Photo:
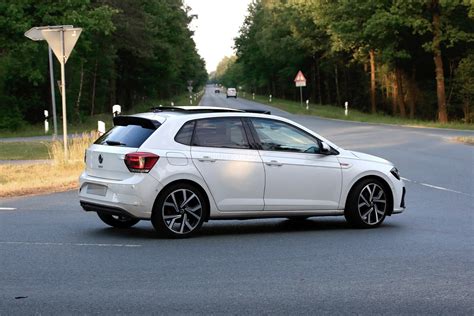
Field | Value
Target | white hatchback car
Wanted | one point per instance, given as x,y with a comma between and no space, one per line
231,93
182,166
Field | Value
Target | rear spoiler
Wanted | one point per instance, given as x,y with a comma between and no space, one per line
124,120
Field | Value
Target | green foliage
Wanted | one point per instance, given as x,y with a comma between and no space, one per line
129,51
330,42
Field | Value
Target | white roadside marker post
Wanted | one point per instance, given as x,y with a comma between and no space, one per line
101,127
346,111
307,104
270,98
116,110
253,96
46,123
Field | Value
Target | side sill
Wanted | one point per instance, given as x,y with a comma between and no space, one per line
274,214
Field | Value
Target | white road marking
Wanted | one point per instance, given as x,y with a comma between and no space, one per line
7,208
28,243
436,187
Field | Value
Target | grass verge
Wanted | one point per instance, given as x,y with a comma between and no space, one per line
58,175
335,112
465,139
24,150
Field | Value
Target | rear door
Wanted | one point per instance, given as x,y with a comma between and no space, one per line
105,158
232,170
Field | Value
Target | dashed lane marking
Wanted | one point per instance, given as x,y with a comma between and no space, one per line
436,187
29,243
7,209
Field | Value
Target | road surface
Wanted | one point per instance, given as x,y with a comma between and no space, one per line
56,259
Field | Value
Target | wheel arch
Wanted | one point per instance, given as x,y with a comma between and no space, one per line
383,181
194,184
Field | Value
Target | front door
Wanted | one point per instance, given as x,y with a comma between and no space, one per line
297,177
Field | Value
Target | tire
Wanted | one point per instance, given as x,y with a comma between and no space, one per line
179,211
367,204
118,221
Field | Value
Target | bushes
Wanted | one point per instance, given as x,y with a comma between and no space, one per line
10,115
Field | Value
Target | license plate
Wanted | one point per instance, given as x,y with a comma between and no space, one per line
97,189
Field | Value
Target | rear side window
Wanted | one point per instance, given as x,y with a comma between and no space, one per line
225,132
125,136
185,134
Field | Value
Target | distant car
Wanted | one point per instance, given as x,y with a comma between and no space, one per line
217,90
180,167
231,93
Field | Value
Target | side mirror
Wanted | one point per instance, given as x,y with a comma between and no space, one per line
325,149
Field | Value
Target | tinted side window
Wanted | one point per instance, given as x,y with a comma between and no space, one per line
225,132
126,136
185,134
280,136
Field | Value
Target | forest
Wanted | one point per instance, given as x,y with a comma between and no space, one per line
409,58
129,51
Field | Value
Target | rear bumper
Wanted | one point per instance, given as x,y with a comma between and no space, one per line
133,196
91,207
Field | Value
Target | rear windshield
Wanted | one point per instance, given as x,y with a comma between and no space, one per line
125,136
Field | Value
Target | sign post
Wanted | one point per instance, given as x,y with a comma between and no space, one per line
300,81
35,34
61,39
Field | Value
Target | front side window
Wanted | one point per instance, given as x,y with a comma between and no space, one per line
225,132
280,136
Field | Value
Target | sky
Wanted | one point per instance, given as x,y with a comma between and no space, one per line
217,24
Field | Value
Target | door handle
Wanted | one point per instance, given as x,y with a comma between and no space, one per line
206,159
274,163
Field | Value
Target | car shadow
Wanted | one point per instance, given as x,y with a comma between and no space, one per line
243,227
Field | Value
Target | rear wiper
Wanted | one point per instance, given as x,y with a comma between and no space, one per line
114,143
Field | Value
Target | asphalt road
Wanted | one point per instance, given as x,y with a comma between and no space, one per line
56,259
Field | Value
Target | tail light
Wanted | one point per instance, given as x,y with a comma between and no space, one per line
140,162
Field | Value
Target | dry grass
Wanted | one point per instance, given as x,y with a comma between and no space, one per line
465,139
58,175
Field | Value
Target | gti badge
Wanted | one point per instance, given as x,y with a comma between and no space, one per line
101,159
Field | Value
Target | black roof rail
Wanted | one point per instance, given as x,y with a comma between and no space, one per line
256,111
203,110
196,110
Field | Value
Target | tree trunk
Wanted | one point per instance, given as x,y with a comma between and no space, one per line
440,87
314,91
328,91
467,111
394,94
79,94
336,79
400,100
373,105
94,80
411,93
320,95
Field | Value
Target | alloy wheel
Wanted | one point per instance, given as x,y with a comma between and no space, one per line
372,204
182,211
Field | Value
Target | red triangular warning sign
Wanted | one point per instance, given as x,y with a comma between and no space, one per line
300,77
